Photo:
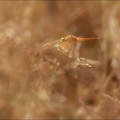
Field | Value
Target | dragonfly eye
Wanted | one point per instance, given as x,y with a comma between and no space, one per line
63,39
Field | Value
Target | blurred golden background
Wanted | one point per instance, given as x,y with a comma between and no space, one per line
35,82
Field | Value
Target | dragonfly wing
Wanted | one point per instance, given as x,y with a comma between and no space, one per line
52,43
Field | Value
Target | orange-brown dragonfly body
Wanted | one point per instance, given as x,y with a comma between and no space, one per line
68,43
77,39
71,41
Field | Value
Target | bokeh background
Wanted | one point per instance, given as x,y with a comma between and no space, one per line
35,82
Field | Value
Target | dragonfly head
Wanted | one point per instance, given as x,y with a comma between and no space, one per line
68,38
62,39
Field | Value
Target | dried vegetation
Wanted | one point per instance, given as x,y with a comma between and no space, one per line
38,81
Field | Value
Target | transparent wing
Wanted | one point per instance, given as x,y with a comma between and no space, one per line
66,46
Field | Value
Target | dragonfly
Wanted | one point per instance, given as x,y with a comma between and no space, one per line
68,43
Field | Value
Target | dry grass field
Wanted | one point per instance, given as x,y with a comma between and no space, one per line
41,81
